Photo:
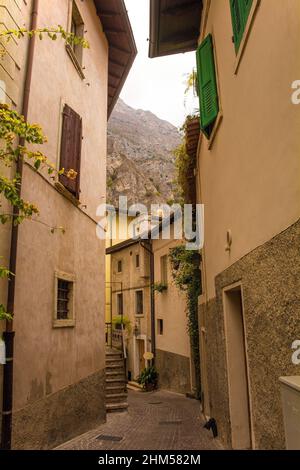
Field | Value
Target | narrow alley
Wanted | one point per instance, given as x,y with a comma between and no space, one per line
157,420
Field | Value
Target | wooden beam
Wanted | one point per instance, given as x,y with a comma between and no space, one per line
120,49
108,14
114,75
114,31
116,62
180,10
182,38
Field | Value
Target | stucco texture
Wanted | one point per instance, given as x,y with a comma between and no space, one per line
61,416
270,280
174,371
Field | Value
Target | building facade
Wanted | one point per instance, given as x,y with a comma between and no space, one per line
59,301
173,351
247,176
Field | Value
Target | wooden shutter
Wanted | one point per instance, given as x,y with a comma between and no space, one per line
208,92
70,154
240,10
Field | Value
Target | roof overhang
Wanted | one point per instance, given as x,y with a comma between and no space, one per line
122,48
174,26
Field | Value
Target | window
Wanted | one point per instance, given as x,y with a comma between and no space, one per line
77,28
120,304
139,303
160,327
64,300
119,266
207,86
70,152
240,10
164,269
137,261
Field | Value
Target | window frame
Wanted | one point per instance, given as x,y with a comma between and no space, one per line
137,292
75,52
120,311
119,263
137,261
70,322
164,269
160,326
245,36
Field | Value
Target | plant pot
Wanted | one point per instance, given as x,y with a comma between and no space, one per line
149,387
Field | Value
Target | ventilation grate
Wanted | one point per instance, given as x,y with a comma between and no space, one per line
103,437
178,421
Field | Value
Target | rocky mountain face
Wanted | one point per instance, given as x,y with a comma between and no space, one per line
140,162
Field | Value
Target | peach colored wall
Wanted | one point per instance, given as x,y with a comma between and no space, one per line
47,359
249,180
170,306
13,14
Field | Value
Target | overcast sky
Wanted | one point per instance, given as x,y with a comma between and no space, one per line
156,85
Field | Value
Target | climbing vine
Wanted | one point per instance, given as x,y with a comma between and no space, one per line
187,277
14,131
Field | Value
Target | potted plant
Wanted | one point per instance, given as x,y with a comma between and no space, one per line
148,378
160,287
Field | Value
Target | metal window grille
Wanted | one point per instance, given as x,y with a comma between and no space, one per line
63,299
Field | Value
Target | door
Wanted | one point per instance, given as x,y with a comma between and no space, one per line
239,402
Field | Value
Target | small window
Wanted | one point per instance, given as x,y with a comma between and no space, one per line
240,10
207,86
77,28
64,301
137,261
139,303
70,151
120,304
160,327
120,266
164,269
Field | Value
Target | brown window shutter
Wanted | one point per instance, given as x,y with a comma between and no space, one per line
70,154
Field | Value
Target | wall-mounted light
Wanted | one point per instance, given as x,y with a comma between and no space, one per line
229,241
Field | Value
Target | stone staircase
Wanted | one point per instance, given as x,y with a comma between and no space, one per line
116,387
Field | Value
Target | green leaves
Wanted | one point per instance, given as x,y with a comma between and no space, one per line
52,33
4,315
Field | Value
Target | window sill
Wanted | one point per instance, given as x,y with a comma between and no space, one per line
245,35
63,323
62,190
75,61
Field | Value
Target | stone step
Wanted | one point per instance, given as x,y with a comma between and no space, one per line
112,389
115,373
116,398
113,367
116,407
114,362
116,382
134,386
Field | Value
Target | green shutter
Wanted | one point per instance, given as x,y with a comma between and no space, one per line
240,10
206,75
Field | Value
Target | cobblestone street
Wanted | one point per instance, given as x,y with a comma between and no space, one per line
155,421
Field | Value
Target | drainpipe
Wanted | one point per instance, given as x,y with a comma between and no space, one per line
9,333
149,249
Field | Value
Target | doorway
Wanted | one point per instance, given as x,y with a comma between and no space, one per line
237,368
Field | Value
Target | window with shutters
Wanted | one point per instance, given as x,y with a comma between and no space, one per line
64,314
207,86
240,10
164,269
139,302
70,152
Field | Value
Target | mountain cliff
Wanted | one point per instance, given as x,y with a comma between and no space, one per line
140,162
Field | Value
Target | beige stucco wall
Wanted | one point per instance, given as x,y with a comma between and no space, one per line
170,306
46,359
249,180
130,280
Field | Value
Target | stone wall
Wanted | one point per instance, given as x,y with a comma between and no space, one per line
174,371
61,416
270,279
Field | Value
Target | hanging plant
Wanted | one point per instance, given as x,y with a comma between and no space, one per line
160,287
187,277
